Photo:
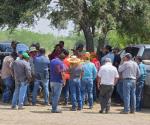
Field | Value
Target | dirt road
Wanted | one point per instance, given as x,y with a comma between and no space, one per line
40,115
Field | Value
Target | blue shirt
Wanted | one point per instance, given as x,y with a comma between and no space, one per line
41,66
89,70
56,68
142,69
109,55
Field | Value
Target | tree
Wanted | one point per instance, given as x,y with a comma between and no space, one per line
129,18
84,13
93,17
134,20
15,12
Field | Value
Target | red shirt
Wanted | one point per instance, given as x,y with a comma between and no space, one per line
96,63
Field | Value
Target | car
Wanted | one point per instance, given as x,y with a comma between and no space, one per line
5,49
142,50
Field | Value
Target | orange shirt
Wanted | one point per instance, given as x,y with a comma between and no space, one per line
67,65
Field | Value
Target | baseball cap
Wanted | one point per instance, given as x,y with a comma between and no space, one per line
25,55
128,55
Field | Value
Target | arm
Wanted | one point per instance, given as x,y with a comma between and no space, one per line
122,67
58,69
99,78
116,76
138,72
98,82
28,72
63,78
116,81
12,69
94,72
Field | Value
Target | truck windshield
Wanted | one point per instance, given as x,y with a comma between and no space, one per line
132,50
146,54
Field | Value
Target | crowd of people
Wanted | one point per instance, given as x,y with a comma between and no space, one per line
80,77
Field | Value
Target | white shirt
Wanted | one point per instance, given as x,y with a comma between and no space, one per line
108,73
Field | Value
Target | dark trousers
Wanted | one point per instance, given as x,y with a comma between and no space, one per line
105,96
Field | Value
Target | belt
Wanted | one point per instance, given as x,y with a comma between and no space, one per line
129,79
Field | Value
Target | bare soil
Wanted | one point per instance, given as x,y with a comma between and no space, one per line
41,115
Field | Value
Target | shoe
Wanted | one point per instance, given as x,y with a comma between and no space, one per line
91,107
79,109
132,112
123,112
66,103
46,104
33,104
73,109
20,108
57,111
101,111
107,111
14,107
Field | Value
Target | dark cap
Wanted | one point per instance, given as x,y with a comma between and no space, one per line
108,47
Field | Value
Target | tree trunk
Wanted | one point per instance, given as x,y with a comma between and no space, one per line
88,37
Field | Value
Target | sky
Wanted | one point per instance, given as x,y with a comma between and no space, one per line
43,26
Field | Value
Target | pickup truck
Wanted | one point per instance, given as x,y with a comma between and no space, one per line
5,46
142,50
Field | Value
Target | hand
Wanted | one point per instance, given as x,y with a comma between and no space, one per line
98,86
64,83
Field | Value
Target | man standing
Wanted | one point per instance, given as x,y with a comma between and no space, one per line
130,72
89,74
109,54
140,83
57,80
6,75
22,73
32,53
65,90
107,78
41,70
75,83
13,47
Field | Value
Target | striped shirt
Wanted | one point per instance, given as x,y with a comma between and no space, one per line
129,69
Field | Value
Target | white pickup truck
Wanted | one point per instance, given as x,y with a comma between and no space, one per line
142,50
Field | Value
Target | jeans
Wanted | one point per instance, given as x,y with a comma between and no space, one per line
129,97
105,96
75,88
94,90
8,88
139,93
120,88
19,94
29,91
56,89
37,84
65,91
87,85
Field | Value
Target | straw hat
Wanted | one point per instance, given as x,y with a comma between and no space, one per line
32,49
74,59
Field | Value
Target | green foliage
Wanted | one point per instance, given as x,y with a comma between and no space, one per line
15,12
96,18
47,41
